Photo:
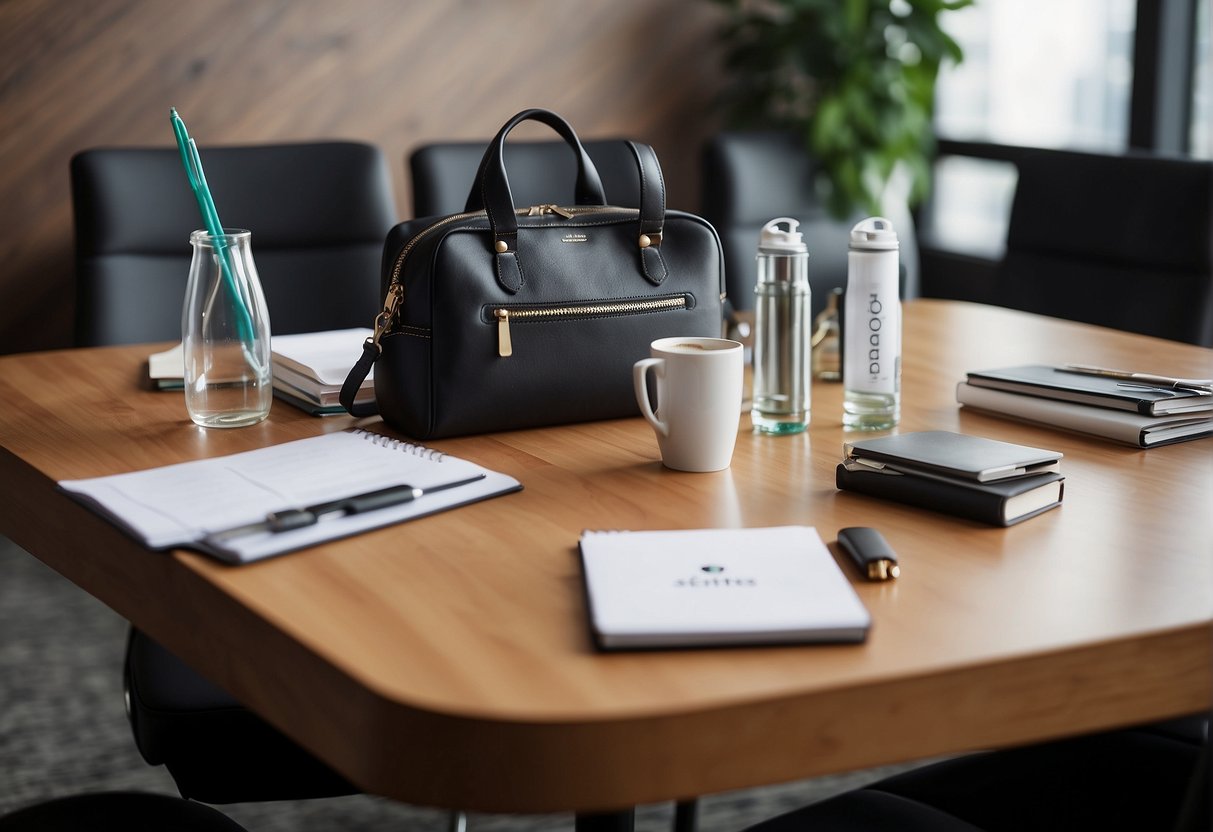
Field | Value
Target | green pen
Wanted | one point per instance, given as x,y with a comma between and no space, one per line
210,218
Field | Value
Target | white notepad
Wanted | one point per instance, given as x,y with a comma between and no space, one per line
323,357
179,505
717,587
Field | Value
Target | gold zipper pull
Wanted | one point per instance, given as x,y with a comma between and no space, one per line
505,348
391,304
549,208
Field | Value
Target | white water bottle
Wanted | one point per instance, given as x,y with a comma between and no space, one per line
782,331
871,373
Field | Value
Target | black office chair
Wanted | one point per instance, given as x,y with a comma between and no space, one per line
752,177
319,214
540,173
1154,778
1124,241
118,812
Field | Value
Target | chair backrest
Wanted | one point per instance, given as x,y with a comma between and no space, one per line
752,177
1123,241
319,214
543,172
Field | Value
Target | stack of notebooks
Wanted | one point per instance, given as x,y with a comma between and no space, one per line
166,370
1115,406
987,480
309,369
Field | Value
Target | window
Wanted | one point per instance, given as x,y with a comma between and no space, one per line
1057,74
1040,73
970,206
1202,85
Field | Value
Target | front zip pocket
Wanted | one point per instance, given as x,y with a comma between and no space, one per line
503,315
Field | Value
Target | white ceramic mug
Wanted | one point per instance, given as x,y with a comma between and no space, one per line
699,386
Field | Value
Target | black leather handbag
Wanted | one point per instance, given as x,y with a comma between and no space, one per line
501,318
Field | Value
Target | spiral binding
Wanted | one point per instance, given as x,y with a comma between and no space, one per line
399,444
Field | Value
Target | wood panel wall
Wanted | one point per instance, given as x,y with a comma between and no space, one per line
397,73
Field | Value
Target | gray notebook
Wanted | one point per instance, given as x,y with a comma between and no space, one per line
954,455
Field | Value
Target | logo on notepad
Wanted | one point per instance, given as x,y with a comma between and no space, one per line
696,581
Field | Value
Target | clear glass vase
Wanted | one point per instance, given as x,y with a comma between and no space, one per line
225,330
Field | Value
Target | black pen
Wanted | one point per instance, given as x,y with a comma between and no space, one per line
298,518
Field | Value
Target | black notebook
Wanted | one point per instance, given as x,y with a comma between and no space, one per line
999,503
1100,391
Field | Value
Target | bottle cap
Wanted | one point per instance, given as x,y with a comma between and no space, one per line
874,233
778,241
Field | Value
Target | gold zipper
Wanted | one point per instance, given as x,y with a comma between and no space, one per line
503,315
540,210
395,295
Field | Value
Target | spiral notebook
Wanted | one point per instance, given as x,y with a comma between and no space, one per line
715,587
184,505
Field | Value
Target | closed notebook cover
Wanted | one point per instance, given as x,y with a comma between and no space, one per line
1100,391
1001,503
1119,425
953,454
708,587
293,398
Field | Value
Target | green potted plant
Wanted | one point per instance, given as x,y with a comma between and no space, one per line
855,78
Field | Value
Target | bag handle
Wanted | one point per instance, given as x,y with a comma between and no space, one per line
491,188
652,213
498,201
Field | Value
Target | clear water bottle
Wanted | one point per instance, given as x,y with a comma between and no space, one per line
782,331
871,373
225,332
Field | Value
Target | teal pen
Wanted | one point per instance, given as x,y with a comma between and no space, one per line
210,218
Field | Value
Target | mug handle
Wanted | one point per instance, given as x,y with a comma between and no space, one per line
639,371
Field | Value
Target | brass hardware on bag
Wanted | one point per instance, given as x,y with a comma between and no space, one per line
501,246
383,320
540,210
404,252
505,346
391,304
653,239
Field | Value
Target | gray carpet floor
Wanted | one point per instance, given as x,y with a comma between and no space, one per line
63,729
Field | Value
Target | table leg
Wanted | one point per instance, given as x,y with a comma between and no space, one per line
686,816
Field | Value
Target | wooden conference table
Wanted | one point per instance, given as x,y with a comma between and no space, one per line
447,662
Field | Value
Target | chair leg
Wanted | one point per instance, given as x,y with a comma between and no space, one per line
621,821
457,822
686,816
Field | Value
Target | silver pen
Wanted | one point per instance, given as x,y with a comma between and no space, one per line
297,518
1197,385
